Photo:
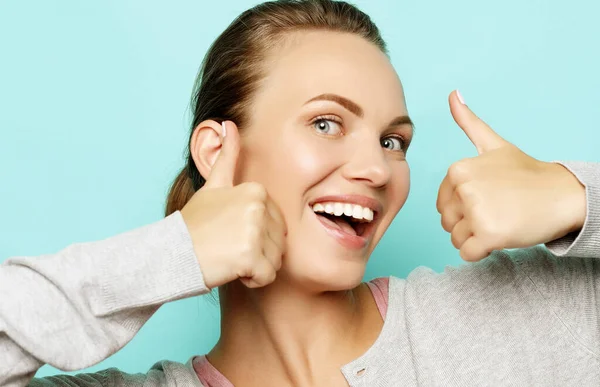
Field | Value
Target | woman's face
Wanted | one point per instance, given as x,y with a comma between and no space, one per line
328,133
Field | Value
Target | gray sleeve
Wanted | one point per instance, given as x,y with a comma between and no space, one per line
585,243
567,274
569,287
521,313
79,306
161,374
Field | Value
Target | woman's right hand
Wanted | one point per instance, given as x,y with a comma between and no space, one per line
237,231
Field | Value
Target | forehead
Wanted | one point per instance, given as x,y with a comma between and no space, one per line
316,62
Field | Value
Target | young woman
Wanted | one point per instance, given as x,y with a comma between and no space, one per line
296,168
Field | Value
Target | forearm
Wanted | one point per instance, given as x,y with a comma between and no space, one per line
77,307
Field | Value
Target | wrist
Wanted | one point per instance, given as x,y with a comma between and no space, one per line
572,199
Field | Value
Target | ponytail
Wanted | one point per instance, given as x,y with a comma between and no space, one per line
180,193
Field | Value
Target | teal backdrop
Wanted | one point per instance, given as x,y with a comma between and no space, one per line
94,119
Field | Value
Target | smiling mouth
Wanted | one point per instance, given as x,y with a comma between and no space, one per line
345,224
351,219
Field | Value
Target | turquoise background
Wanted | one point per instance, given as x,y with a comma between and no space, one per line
94,119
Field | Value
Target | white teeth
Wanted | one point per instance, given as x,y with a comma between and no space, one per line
357,212
368,214
348,209
338,209
328,208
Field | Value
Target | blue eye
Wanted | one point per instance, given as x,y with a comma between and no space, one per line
328,127
392,143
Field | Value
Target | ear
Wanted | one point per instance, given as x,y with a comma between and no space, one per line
205,145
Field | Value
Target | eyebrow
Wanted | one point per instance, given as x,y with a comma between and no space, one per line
354,108
402,120
345,102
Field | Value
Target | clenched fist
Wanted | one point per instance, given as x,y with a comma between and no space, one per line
504,198
237,231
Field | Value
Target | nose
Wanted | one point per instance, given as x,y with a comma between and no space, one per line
368,164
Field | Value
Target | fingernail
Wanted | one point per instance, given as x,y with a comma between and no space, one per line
224,129
460,97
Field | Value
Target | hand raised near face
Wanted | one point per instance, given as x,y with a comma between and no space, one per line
237,230
504,198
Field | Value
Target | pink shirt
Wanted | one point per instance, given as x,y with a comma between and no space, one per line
211,377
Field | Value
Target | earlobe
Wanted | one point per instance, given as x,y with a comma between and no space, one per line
205,145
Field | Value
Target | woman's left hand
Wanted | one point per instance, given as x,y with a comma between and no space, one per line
503,198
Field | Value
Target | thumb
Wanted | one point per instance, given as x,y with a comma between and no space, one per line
223,170
481,135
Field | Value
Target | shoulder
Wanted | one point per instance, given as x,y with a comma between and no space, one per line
502,275
161,374
505,277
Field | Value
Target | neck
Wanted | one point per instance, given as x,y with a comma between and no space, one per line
293,336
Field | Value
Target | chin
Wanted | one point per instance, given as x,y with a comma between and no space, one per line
318,276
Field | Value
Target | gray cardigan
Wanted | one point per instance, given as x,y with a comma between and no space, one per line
524,317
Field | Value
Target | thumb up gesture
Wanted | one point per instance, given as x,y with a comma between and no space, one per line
238,231
504,198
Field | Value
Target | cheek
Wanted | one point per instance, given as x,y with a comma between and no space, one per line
309,160
287,165
401,185
397,191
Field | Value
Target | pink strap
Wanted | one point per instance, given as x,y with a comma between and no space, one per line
379,287
208,374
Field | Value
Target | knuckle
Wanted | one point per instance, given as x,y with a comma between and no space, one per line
245,188
257,234
247,248
270,276
257,190
440,204
449,218
282,243
282,248
467,256
277,262
251,284
257,209
491,233
459,171
446,225
465,191
478,218
258,265
251,241
470,251
488,230
454,240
